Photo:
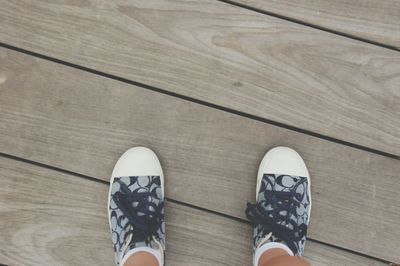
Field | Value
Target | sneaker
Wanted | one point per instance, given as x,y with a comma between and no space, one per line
136,205
282,210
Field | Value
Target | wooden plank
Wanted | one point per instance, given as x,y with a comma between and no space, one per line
82,122
376,21
227,56
58,219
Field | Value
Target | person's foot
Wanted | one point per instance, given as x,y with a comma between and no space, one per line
136,205
283,203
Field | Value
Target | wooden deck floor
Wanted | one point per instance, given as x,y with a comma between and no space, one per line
210,86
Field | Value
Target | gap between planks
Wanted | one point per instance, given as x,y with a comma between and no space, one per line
61,219
257,6
81,122
200,102
184,204
227,56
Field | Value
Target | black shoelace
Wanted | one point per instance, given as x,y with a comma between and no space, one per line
145,217
277,218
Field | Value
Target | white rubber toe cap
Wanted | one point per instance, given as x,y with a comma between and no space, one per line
282,161
138,161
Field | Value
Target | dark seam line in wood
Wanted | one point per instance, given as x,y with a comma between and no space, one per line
241,220
200,102
249,223
54,168
307,24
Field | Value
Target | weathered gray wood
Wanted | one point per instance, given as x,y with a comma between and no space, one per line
226,55
82,122
50,218
377,21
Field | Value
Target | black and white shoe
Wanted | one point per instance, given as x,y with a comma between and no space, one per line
136,205
282,210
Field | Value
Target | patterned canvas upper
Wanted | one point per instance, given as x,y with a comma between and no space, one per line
282,208
136,209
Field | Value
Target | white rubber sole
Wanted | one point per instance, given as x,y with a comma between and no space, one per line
283,161
137,161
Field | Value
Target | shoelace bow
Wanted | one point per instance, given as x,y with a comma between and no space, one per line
273,222
144,219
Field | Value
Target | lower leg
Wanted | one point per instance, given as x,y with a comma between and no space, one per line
141,259
279,257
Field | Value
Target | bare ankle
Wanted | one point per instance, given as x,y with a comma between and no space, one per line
141,258
271,254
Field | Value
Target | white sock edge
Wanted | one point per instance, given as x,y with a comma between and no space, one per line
155,252
259,251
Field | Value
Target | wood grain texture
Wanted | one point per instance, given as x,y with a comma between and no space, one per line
50,218
82,122
227,56
377,21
